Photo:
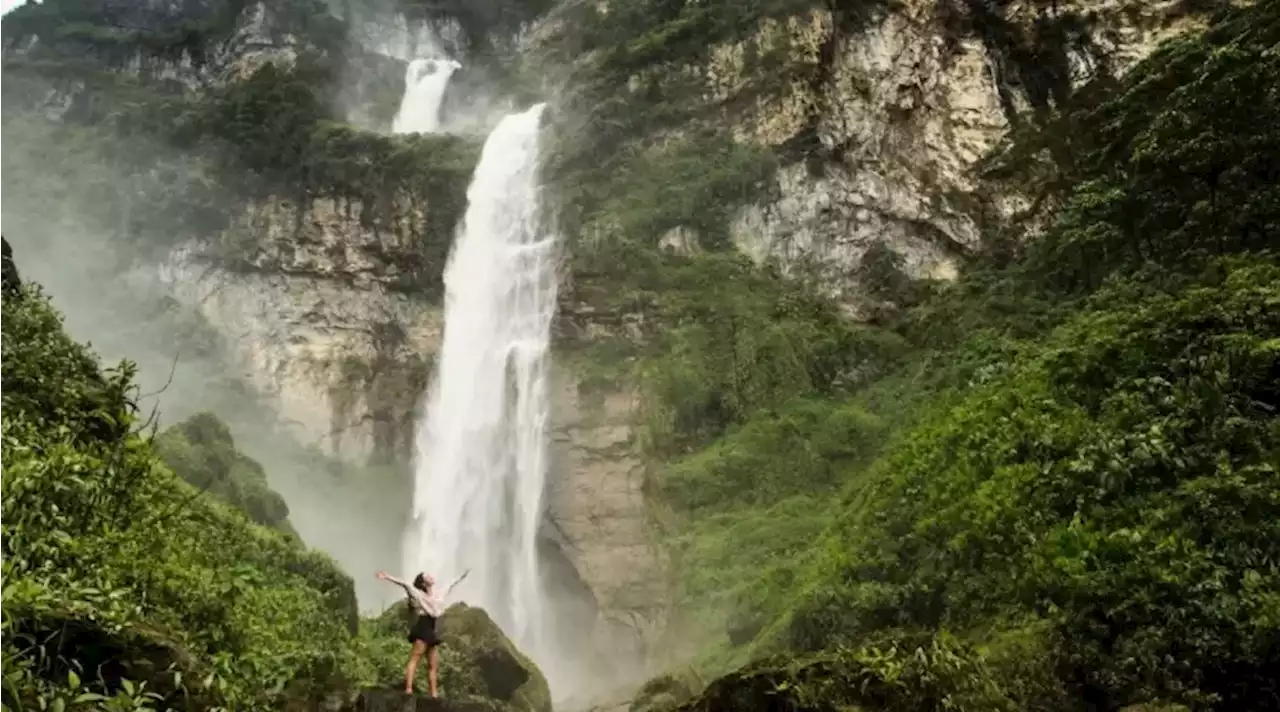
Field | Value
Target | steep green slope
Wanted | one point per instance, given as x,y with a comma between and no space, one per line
125,587
172,589
1058,474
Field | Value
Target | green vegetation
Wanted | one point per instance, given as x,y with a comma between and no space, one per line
693,183
117,33
1050,485
114,34
125,587
116,570
202,452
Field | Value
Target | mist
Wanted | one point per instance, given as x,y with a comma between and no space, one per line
67,212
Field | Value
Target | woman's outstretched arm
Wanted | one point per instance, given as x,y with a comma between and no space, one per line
384,576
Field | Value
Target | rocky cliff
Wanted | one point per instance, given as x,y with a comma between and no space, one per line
312,306
879,115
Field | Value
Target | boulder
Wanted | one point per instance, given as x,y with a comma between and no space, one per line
480,660
479,665
664,692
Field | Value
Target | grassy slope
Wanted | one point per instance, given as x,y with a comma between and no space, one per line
1058,474
98,534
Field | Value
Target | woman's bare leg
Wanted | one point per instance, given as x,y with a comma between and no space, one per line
412,667
433,667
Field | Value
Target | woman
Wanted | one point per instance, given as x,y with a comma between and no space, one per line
423,634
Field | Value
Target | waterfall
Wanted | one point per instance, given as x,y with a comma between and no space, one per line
481,450
424,83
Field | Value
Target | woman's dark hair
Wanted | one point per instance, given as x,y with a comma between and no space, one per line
420,582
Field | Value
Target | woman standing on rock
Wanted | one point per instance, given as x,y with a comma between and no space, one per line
423,634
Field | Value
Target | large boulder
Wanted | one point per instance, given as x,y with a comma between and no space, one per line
480,668
480,660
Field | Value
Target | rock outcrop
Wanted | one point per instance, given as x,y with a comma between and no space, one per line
488,664
880,115
894,118
480,668
311,304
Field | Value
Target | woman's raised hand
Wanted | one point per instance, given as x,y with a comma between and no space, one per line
382,575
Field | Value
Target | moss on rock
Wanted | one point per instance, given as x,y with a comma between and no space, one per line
940,673
664,692
486,663
478,663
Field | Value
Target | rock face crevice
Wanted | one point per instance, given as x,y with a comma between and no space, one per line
596,508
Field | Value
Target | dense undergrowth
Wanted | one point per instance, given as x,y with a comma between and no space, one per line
130,587
202,452
1050,485
111,560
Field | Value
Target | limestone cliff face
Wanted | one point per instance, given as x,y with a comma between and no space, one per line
309,302
896,116
882,112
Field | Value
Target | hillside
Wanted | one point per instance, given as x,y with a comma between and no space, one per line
125,587
1054,477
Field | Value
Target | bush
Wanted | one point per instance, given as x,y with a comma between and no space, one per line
201,451
1100,484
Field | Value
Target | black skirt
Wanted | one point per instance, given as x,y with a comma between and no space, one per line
424,629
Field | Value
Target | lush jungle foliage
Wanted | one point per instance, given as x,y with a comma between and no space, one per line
1051,485
126,588
202,452
116,570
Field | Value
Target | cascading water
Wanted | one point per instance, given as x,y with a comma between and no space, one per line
481,451
425,81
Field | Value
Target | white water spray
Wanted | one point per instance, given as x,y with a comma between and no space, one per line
481,452
425,82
